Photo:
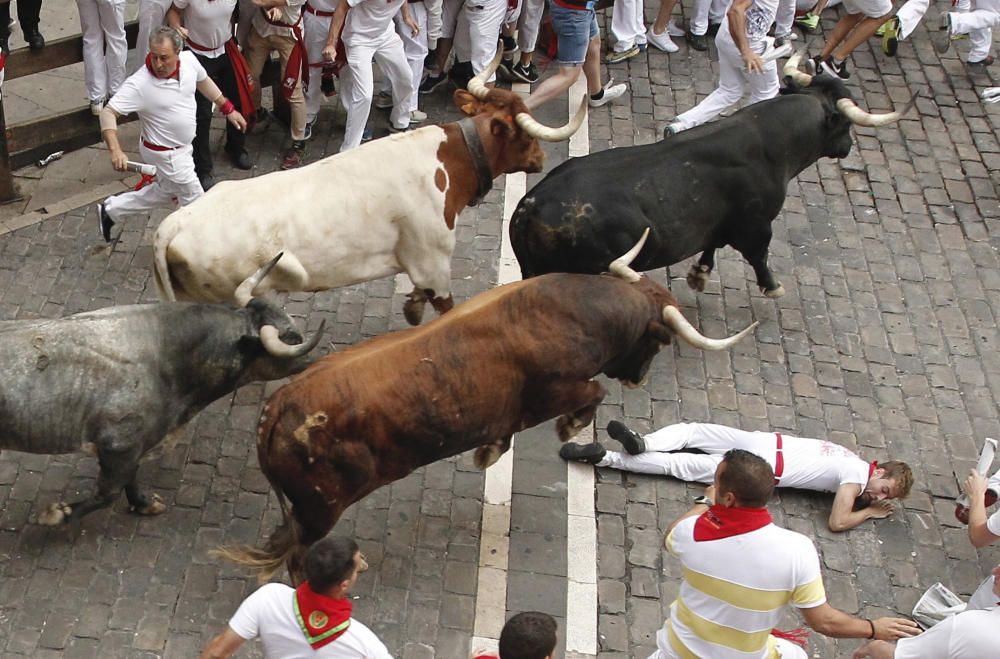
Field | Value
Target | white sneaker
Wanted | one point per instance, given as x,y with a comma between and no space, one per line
417,116
673,29
383,101
661,41
96,107
611,92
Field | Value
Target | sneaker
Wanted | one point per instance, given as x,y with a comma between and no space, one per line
96,107
383,101
674,30
396,129
307,132
327,87
942,38
661,41
586,453
609,92
983,62
808,23
713,28
672,129
105,222
432,82
417,116
367,134
890,36
829,67
697,41
528,74
240,159
509,46
773,50
293,157
621,56
631,440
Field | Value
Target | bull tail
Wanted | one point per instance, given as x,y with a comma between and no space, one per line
284,545
164,234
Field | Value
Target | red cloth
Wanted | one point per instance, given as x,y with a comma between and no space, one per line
720,522
176,75
797,636
245,82
871,468
298,60
322,619
779,460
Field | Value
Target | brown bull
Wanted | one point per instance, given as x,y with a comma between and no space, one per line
506,360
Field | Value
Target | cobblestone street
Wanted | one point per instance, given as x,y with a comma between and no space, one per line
886,341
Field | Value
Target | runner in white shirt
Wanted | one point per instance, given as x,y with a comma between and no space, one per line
162,93
369,34
316,26
983,531
207,26
102,23
809,464
312,621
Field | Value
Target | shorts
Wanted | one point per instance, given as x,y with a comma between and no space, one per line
870,8
574,29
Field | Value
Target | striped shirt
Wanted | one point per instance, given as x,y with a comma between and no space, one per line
735,591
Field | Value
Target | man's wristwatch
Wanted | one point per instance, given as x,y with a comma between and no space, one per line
704,500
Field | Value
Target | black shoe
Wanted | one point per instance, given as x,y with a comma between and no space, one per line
432,82
5,44
713,29
830,67
207,181
697,41
587,453
105,222
528,74
461,73
505,70
631,440
240,159
35,39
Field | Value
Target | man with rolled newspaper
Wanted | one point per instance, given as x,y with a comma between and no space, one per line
981,493
162,93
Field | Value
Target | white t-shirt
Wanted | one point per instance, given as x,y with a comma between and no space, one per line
369,19
166,106
967,635
741,584
270,614
984,597
993,523
820,465
209,24
324,5
289,15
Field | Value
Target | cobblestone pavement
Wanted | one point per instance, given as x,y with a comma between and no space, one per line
884,342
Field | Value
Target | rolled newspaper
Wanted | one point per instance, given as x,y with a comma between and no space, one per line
982,466
141,168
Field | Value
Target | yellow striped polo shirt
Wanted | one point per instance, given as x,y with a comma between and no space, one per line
735,590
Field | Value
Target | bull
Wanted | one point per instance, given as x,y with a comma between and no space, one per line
386,207
506,360
114,382
719,184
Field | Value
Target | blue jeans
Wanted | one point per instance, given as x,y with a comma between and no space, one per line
574,29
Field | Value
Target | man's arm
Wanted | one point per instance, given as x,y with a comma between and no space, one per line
975,488
844,517
209,89
336,25
222,646
738,30
109,133
696,509
834,623
175,19
270,4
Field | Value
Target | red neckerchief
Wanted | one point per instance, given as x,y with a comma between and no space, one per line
720,522
176,74
871,468
322,619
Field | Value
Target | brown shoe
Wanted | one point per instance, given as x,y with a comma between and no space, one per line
293,157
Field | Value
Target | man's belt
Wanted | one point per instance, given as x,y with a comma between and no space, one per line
316,12
156,147
203,49
779,460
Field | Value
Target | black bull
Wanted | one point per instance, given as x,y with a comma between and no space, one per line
719,184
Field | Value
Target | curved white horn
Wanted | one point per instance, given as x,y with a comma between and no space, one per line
792,70
540,131
477,86
676,321
620,266
858,116
278,348
244,292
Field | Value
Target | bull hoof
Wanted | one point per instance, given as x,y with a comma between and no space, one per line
55,514
568,427
775,292
697,277
154,506
413,311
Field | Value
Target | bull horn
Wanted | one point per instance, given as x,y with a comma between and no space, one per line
858,116
477,86
278,348
792,70
620,266
540,131
676,321
244,292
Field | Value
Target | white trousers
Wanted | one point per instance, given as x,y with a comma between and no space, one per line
314,31
357,90
528,17
627,24
480,22
415,47
102,23
787,9
734,81
433,8
176,184
978,24
705,11
151,14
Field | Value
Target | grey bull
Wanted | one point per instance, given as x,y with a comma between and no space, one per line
116,381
